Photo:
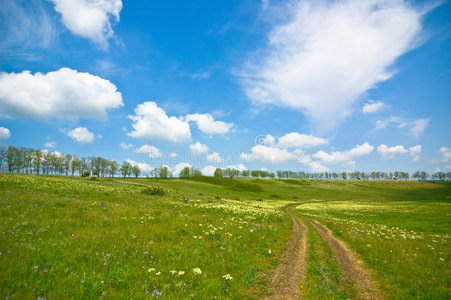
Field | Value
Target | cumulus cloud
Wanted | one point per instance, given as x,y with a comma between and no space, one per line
207,124
344,158
390,152
215,158
208,170
239,167
125,146
446,154
297,140
151,122
198,149
330,53
4,133
50,145
91,19
152,151
373,107
65,94
266,154
415,152
180,167
81,135
173,155
143,167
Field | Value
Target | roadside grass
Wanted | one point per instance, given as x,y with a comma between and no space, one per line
405,244
322,280
77,238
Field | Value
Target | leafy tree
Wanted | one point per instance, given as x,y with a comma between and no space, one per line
195,172
126,169
136,171
219,173
185,172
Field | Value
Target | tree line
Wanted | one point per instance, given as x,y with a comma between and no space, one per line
35,161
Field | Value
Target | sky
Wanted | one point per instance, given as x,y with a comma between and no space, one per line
316,86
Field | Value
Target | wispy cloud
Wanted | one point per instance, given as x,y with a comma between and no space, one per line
329,54
26,28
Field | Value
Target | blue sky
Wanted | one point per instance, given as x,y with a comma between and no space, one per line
293,85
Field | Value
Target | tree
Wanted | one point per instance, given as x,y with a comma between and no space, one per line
195,172
11,158
2,157
113,167
231,172
219,173
185,172
37,160
126,168
136,171
163,172
245,173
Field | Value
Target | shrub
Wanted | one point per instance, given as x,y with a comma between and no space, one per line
155,190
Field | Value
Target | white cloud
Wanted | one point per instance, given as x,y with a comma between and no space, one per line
81,135
419,126
180,167
57,154
239,167
143,167
50,145
344,158
173,155
207,124
446,154
152,151
328,54
314,166
64,93
151,122
415,152
26,28
4,133
198,149
125,146
266,154
297,140
267,140
215,158
390,152
90,19
416,127
373,107
208,170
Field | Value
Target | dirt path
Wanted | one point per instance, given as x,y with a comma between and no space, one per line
351,269
286,280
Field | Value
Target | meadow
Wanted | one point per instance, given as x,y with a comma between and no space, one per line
215,238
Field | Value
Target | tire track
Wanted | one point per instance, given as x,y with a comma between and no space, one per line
350,267
285,283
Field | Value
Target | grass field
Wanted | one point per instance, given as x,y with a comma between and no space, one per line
204,238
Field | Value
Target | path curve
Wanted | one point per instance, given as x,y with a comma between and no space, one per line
285,283
350,267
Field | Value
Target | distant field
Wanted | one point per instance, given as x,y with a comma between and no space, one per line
207,238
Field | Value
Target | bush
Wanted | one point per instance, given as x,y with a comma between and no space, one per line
155,190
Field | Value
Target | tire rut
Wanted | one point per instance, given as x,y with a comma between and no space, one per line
285,283
350,267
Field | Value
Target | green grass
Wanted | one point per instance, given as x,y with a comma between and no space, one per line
64,237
